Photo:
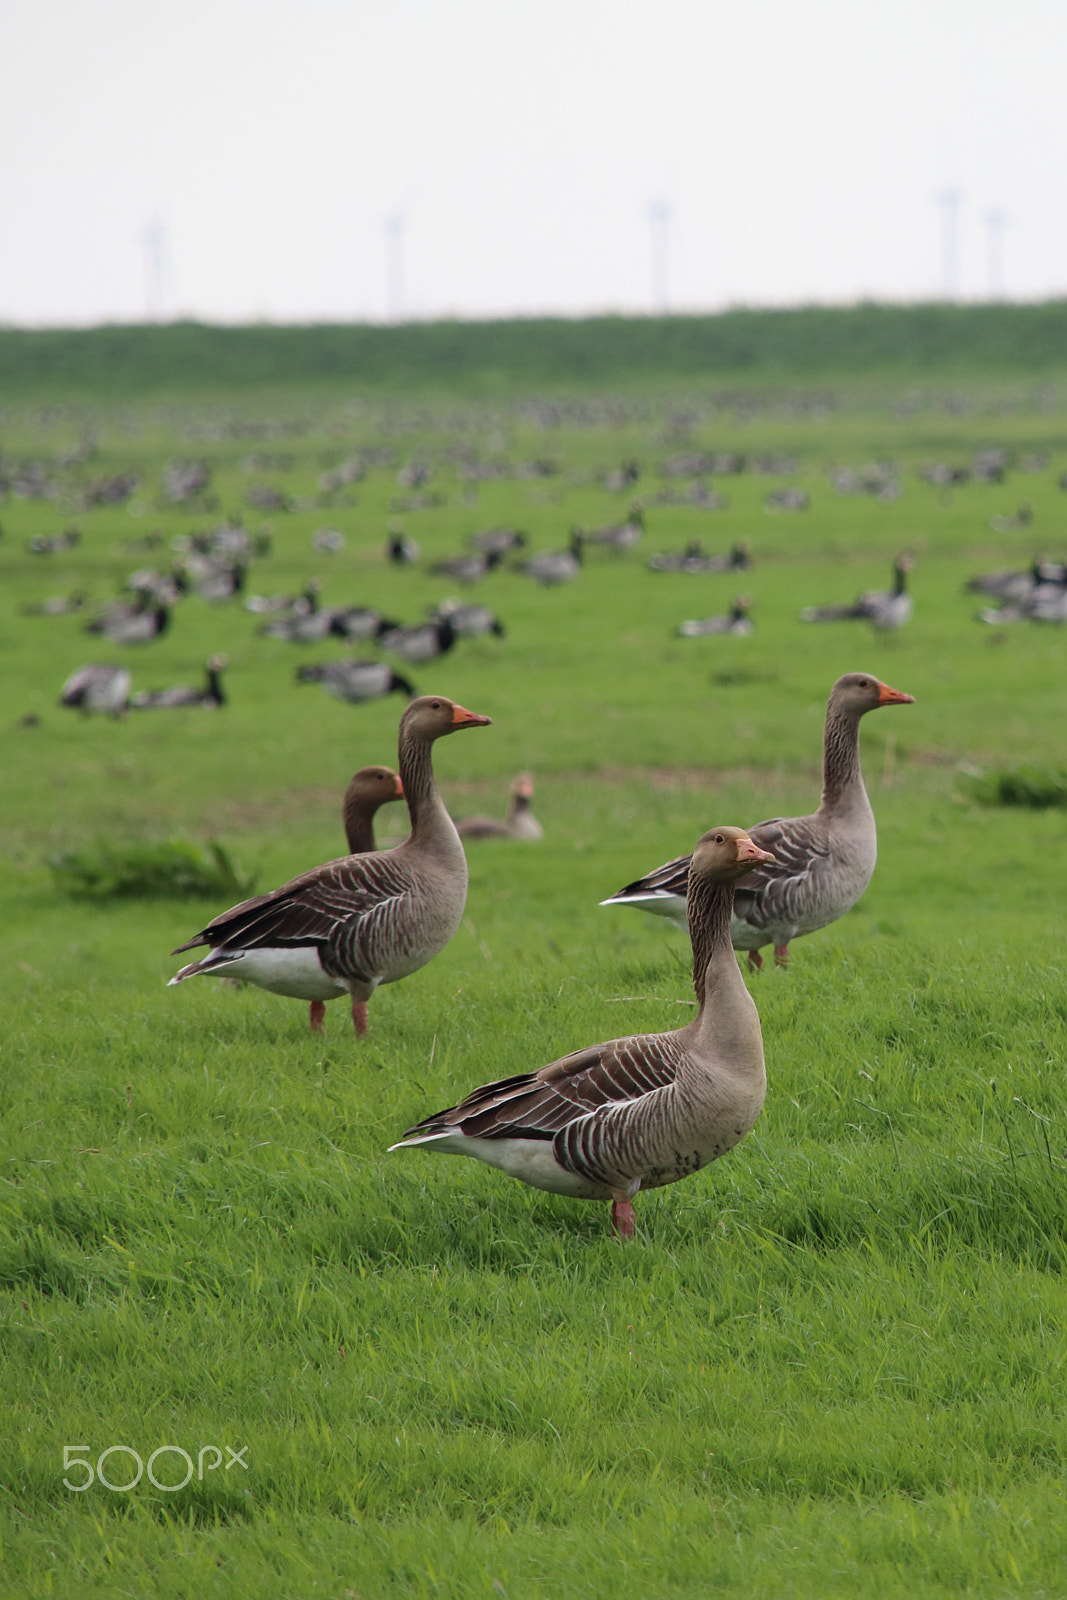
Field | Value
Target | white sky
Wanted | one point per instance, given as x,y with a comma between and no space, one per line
800,145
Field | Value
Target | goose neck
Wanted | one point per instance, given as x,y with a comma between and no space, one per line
709,907
841,774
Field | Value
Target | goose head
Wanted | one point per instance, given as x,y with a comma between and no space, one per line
372,787
724,854
522,786
431,716
858,692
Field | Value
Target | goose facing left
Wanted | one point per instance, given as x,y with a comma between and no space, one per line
638,1112
363,920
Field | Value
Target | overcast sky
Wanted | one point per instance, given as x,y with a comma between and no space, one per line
797,147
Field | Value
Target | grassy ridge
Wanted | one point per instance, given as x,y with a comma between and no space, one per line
908,340
832,1363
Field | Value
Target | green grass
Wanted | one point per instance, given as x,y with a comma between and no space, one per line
831,1364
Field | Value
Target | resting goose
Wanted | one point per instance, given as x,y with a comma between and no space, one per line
639,1112
132,622
347,926
885,610
823,862
97,688
181,695
520,822
736,621
422,641
557,566
356,681
470,622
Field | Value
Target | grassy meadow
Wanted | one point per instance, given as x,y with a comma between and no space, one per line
830,1365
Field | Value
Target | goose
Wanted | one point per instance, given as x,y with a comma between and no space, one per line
356,681
693,560
97,687
359,622
498,541
823,862
422,641
468,568
639,1112
57,605
736,621
557,566
620,536
470,622
181,695
520,822
368,790
136,622
328,541
307,623
885,610
1008,586
401,550
363,920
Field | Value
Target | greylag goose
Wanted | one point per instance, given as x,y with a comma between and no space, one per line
97,688
181,695
370,789
347,926
885,610
823,862
639,1112
356,681
520,822
736,621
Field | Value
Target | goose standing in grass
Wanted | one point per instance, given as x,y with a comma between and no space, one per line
639,1112
356,681
822,862
519,823
352,924
97,687
886,610
736,621
182,695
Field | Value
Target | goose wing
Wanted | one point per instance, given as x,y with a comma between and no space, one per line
542,1104
316,908
768,895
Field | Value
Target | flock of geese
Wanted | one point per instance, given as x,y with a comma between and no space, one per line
606,1121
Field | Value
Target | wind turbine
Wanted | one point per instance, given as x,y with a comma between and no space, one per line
154,244
659,216
949,200
394,226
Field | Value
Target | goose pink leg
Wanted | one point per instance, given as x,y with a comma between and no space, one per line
781,955
359,1017
318,1015
755,960
622,1218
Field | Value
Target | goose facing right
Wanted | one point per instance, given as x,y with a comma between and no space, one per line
823,862
639,1112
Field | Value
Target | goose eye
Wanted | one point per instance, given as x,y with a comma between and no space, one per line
436,706
720,838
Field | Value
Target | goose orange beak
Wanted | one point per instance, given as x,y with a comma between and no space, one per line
894,697
398,792
461,718
747,851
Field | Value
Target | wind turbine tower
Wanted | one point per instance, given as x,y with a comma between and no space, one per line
659,216
949,201
154,243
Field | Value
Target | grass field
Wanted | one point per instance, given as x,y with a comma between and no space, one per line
830,1365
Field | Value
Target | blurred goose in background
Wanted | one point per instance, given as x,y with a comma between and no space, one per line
885,610
822,862
402,550
557,566
97,687
369,790
693,560
736,621
1023,517
519,823
181,695
468,568
356,681
470,622
57,605
1010,586
352,924
328,541
619,536
131,622
421,641
639,1112
359,622
498,541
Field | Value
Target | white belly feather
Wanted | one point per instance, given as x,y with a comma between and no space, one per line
297,972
